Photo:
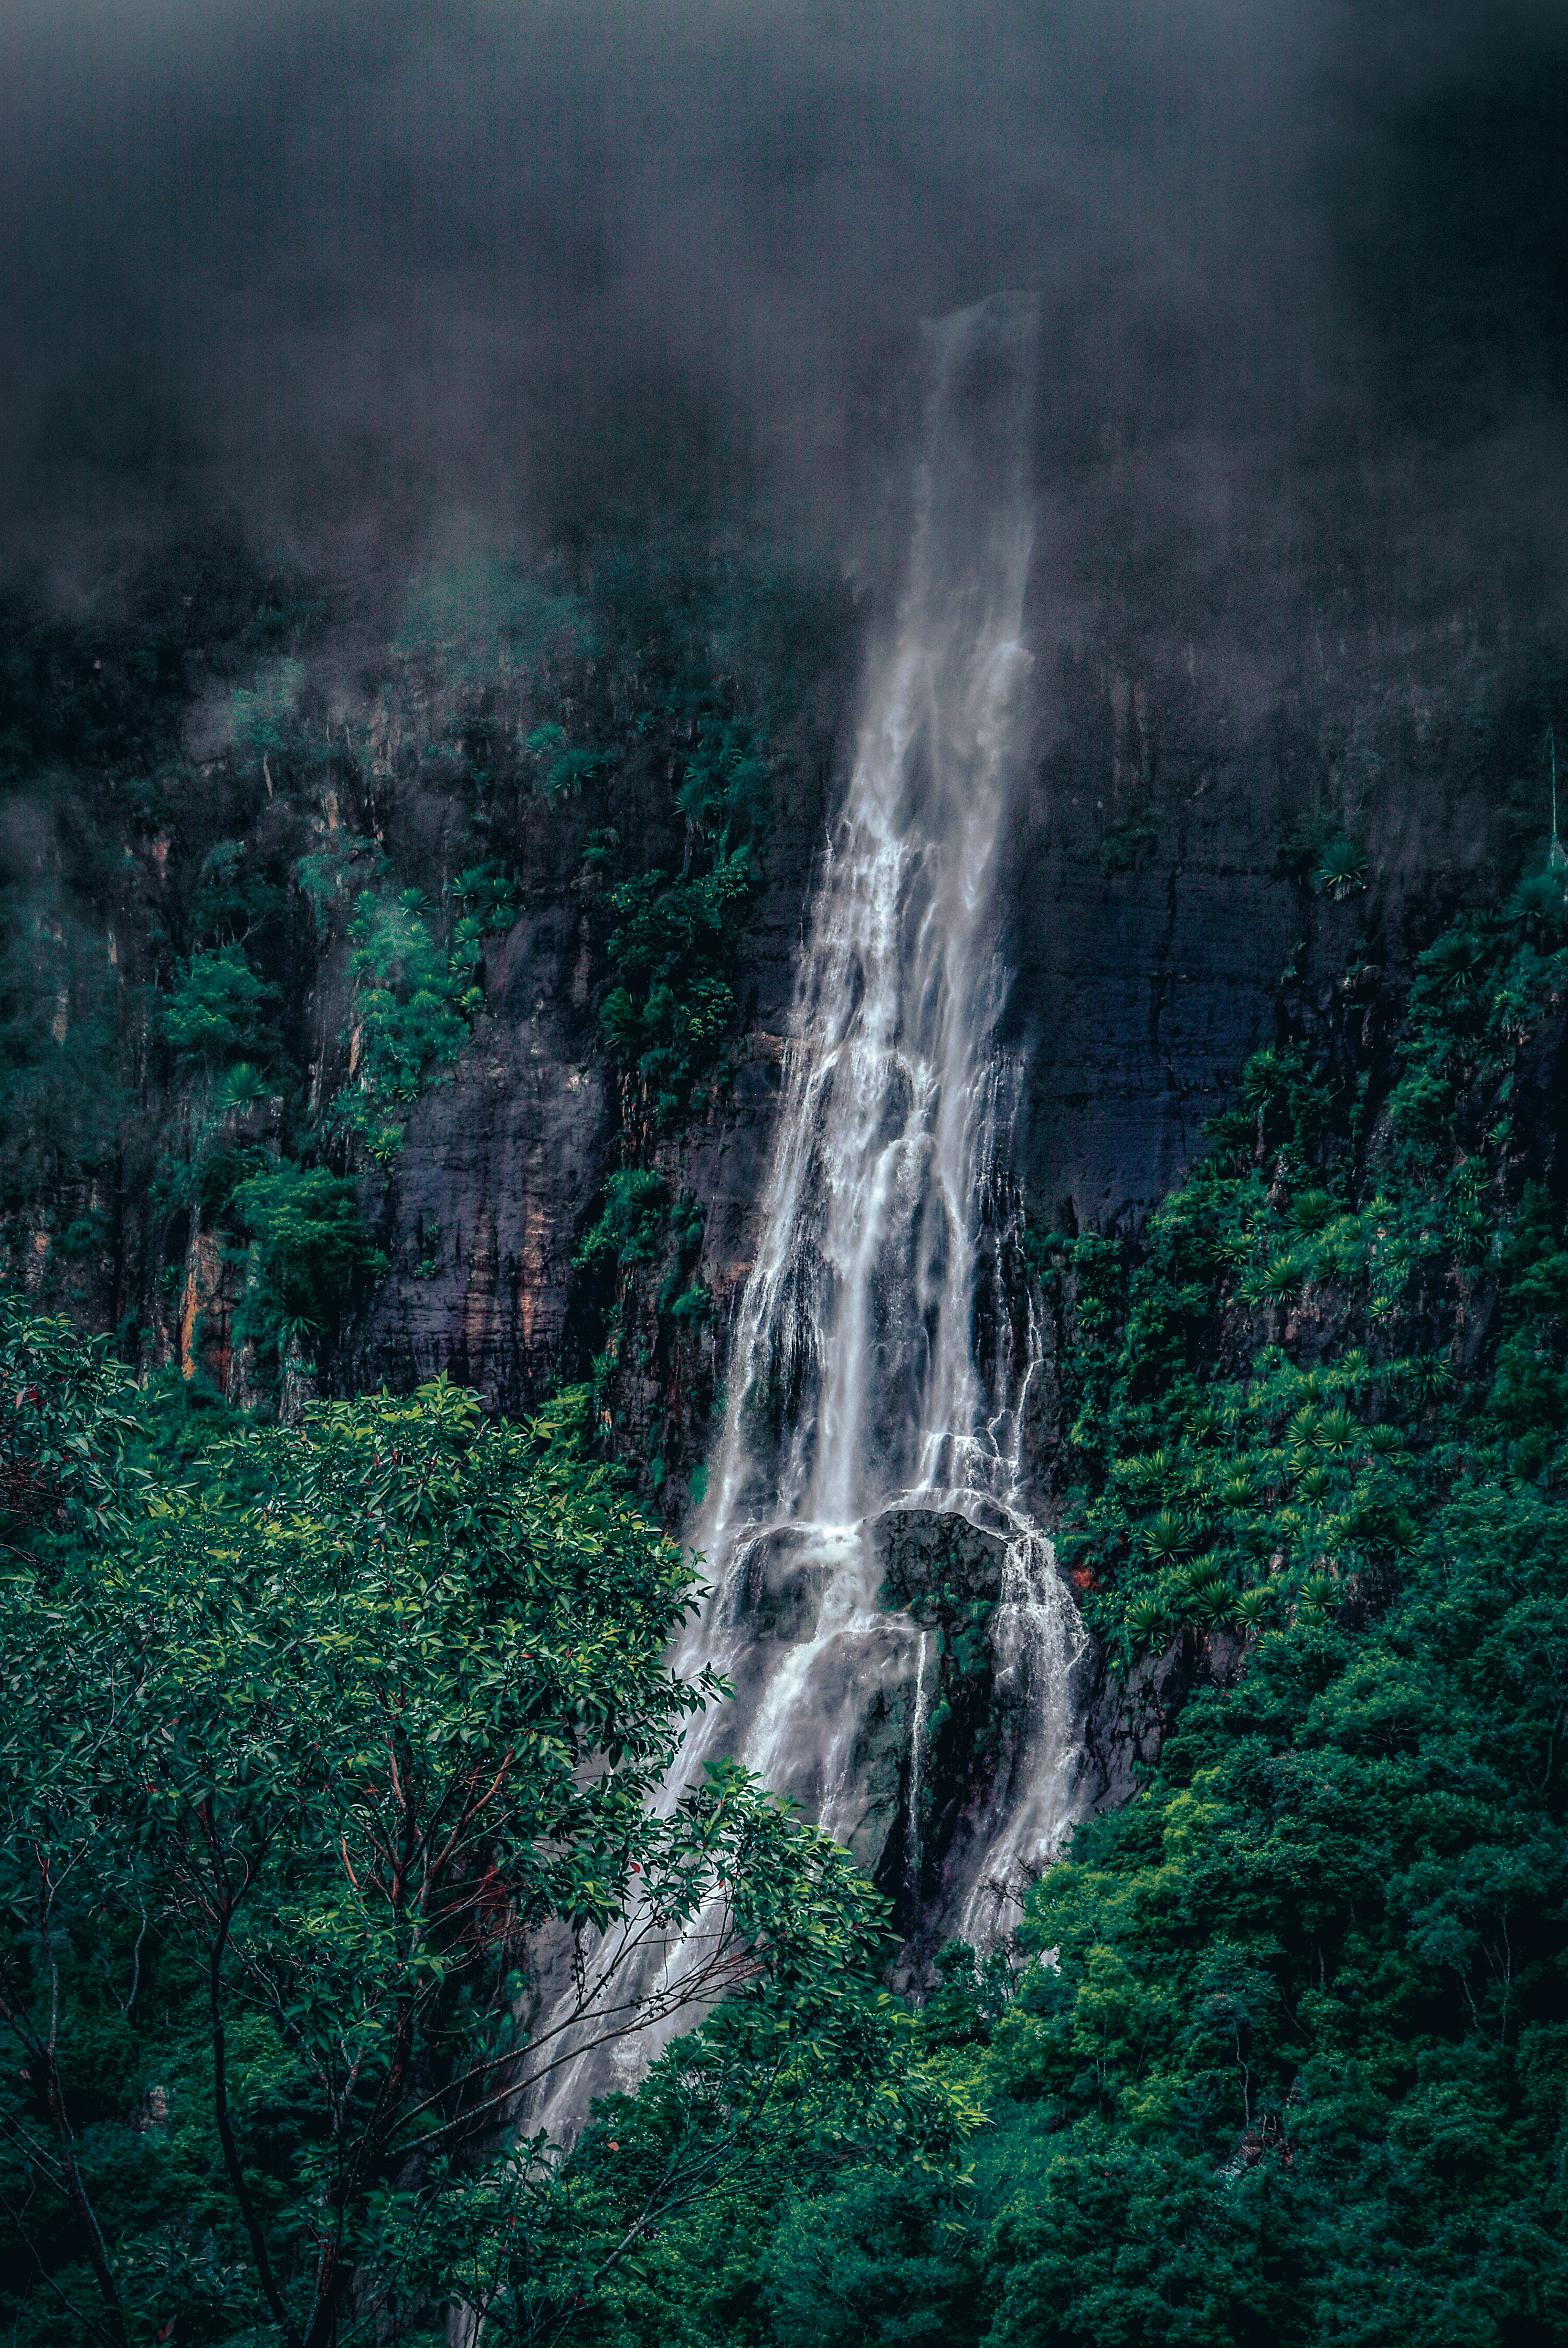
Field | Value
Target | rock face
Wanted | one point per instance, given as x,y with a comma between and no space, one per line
501,1166
497,1172
1154,915
1155,929
1157,919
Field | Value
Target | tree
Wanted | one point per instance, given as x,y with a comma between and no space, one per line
64,1413
216,1011
310,1775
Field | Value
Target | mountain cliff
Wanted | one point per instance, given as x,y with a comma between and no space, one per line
432,1013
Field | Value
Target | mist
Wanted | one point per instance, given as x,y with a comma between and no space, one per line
353,278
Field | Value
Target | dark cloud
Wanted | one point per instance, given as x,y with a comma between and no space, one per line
348,272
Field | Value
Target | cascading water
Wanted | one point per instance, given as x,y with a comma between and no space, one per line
878,1363
879,1366
916,1758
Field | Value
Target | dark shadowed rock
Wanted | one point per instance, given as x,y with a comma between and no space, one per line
498,1168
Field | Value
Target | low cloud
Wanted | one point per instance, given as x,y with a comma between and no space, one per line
347,274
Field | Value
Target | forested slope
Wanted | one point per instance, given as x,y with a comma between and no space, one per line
262,839
1282,2049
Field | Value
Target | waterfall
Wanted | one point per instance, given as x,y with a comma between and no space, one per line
880,1360
917,1755
853,1371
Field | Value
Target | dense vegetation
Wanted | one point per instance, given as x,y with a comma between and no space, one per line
1281,2054
1281,2050
315,1745
246,917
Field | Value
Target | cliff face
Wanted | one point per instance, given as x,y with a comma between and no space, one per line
1154,912
506,1161
1160,920
1162,908
1161,913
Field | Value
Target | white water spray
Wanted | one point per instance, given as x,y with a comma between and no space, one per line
917,1759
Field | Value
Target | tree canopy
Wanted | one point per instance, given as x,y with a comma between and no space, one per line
297,1762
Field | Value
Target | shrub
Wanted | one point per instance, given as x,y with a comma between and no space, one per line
1341,868
1169,1536
630,1226
416,1000
670,950
313,1255
216,1011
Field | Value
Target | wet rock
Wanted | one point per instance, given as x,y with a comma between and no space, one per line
777,1584
932,1560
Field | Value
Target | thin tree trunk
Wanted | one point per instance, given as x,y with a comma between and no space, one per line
231,2149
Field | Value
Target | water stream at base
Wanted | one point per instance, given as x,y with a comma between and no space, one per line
880,1364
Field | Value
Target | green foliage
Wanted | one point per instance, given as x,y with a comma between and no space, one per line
182,1429
1301,1495
1280,2057
62,1080
567,772
260,715
310,1253
673,945
726,790
236,899
671,950
630,1226
1305,843
1341,868
290,1773
415,1000
407,993
66,1418
216,1011
516,718
1315,1974
1318,849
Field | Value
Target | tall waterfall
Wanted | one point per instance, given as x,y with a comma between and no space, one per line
878,1362
857,1334
881,1365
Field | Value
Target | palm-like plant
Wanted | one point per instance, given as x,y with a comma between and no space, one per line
1336,1433
1274,1282
1144,1622
1267,1075
1236,1491
1539,898
1452,966
1280,1279
1341,868
1169,1537
1212,1600
1431,1377
1253,1607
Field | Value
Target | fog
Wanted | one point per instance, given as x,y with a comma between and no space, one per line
349,275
